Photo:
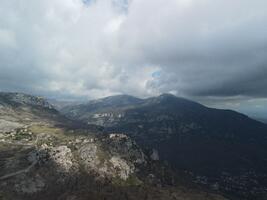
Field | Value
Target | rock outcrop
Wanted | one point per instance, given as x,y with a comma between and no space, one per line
115,156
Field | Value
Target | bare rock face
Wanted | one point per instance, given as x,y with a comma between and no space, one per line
123,146
154,155
59,158
115,156
96,160
89,157
62,157
122,169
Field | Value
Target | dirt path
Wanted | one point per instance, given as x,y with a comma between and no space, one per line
23,170
17,143
19,172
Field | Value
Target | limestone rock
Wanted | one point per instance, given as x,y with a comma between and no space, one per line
121,167
154,155
62,157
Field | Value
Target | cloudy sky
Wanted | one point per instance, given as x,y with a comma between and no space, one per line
213,51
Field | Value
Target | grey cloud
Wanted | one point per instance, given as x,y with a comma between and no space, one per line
73,48
209,48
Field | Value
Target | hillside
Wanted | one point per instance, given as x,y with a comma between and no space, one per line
44,156
221,149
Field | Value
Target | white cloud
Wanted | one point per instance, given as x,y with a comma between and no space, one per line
114,25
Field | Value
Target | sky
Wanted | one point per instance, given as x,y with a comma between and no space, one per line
211,51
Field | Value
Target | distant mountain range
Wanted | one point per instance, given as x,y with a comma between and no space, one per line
223,149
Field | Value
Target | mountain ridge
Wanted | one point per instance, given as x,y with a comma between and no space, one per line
205,141
16,98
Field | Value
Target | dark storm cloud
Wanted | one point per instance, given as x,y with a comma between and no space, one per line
205,48
249,84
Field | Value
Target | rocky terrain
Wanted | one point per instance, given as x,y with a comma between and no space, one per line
44,155
221,149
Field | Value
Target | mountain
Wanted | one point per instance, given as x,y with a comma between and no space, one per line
222,149
17,109
20,99
59,104
115,104
44,155
263,120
